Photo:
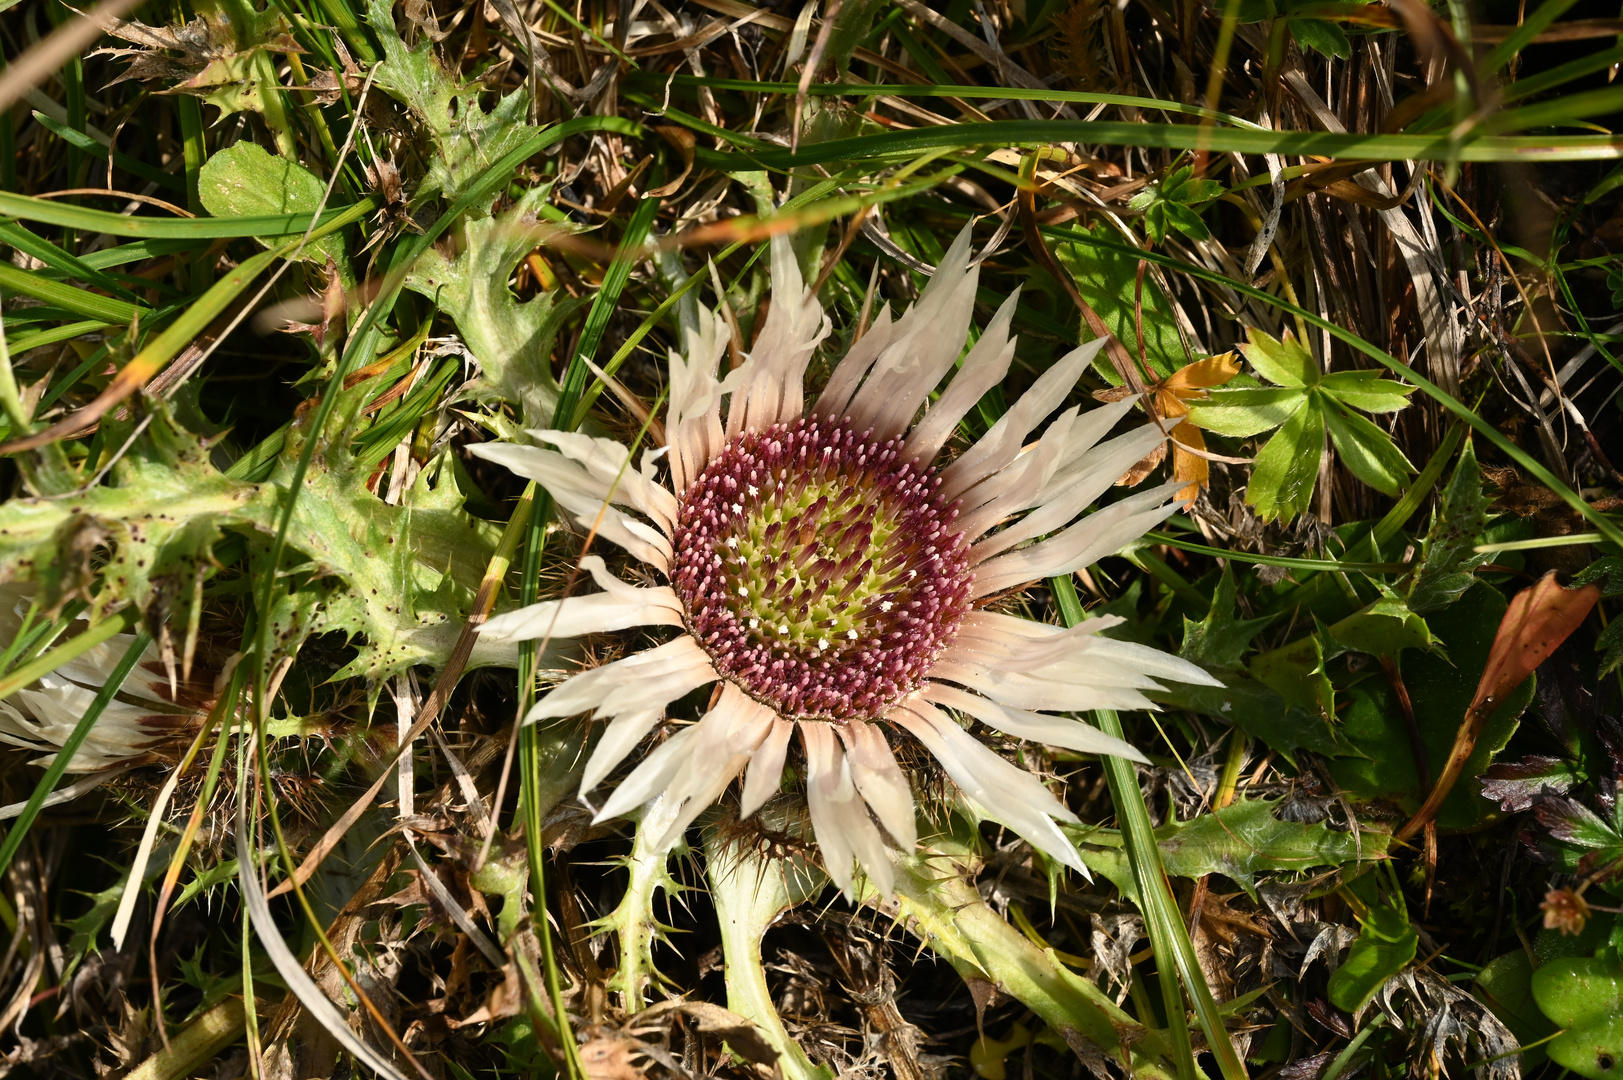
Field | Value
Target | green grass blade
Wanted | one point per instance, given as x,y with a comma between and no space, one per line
86,220
1162,919
1033,133
57,259
104,308
90,148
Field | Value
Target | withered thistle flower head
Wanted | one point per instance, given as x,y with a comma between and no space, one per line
143,724
829,570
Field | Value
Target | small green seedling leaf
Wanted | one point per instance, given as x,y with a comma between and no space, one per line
1385,945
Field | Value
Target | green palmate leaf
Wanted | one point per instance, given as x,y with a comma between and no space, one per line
1366,391
1448,555
1286,469
1283,360
160,514
1385,945
1368,452
1239,841
244,180
1246,411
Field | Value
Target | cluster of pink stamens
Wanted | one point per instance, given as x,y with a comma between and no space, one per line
819,570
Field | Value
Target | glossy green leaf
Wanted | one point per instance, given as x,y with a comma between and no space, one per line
1368,452
1366,391
1280,360
1108,281
1584,995
1246,411
1322,36
1385,945
1287,467
1505,986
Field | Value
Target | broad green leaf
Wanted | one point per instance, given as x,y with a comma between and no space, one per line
1584,996
1108,280
1385,945
1448,554
245,180
1239,841
1260,711
1246,411
1322,36
1366,391
1286,469
1283,361
1368,452
1378,762
1505,986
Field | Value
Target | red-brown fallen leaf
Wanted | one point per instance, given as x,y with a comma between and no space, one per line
1537,621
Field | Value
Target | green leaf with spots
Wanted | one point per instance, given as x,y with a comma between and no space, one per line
244,180
1585,997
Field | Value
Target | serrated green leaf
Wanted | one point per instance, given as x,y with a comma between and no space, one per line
1448,555
1368,452
1239,841
1366,391
1287,468
1246,411
464,137
511,339
1282,360
1219,640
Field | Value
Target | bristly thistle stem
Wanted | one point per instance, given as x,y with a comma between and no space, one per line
750,894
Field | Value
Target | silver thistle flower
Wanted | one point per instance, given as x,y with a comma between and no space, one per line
830,573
